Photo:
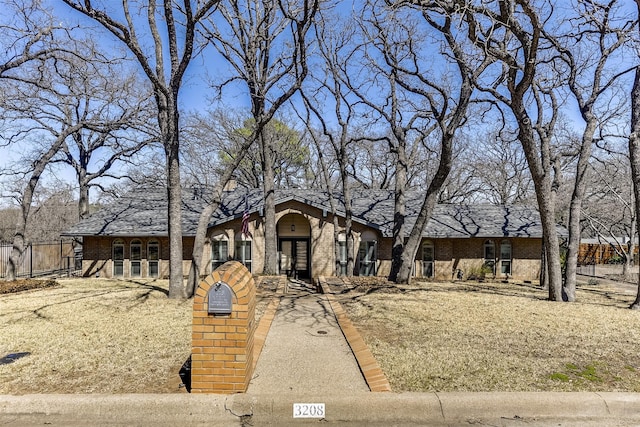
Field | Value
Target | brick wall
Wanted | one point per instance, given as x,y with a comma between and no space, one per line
98,255
222,345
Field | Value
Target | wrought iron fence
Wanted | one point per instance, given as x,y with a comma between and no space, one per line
40,259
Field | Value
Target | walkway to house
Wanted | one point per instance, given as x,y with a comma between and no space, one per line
305,350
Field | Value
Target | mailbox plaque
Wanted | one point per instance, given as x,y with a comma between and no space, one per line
220,299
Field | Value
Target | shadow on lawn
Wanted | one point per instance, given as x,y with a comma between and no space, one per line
97,294
605,296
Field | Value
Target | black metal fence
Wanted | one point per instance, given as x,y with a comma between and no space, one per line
41,259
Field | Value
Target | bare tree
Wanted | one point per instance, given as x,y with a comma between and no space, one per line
172,28
608,213
202,153
634,147
502,167
35,50
265,43
104,93
432,97
592,50
511,32
29,38
328,100
41,160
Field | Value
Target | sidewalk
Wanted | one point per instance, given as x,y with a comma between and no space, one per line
305,350
353,409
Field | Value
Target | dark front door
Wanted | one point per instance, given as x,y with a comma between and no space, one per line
295,257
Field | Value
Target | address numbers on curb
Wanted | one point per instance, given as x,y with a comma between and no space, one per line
308,410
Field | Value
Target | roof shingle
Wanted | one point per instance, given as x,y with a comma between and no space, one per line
144,213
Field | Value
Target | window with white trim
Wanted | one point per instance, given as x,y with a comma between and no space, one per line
153,258
367,257
342,253
136,258
505,258
490,256
118,258
428,259
219,252
243,252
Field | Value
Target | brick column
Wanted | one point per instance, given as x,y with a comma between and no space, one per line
222,345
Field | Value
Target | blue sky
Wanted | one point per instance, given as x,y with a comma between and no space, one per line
195,93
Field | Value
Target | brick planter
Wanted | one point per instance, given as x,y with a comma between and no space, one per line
222,344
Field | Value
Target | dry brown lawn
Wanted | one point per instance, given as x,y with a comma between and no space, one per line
110,336
94,336
470,336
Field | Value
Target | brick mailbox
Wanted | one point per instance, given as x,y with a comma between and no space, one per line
222,332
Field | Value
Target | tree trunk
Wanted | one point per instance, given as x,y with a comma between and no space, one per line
544,268
198,247
19,240
431,196
539,161
634,154
546,206
575,209
348,222
552,248
348,218
415,237
177,288
83,199
629,261
399,215
270,239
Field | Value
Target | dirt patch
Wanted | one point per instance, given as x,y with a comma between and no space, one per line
21,285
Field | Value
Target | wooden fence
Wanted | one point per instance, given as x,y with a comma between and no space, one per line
42,258
600,253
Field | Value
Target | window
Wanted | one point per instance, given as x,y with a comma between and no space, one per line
505,258
342,262
342,253
367,257
427,259
243,252
136,258
118,258
219,253
489,256
153,258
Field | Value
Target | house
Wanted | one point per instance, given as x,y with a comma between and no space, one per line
130,238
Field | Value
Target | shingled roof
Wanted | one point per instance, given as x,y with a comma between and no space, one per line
144,213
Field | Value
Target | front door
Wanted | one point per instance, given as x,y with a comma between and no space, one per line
295,257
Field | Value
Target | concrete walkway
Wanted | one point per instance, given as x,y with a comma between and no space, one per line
305,350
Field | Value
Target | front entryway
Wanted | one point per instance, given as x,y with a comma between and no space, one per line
294,246
295,257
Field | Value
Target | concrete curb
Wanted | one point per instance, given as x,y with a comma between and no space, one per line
358,408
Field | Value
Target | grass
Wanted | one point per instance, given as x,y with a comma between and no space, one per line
95,336
110,336
498,337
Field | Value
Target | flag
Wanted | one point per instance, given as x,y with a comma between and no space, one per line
245,220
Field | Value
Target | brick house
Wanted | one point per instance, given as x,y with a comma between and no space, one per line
129,238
